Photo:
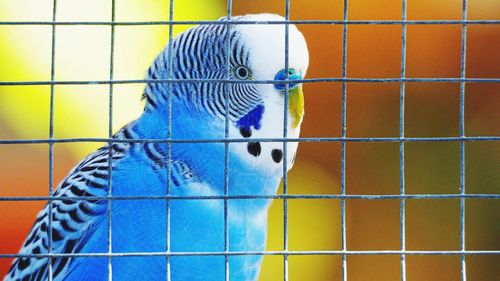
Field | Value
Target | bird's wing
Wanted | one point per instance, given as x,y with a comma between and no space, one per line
73,220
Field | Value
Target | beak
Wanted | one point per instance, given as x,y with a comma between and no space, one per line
295,97
296,105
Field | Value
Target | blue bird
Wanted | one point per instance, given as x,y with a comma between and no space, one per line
194,227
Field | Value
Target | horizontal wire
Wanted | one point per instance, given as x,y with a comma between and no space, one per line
309,80
239,140
235,22
243,197
256,253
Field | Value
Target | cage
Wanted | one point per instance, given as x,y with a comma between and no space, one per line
397,172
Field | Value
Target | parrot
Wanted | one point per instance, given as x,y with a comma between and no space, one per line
174,216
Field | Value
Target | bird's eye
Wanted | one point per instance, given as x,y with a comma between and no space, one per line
242,72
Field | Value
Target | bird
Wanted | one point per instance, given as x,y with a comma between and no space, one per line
139,209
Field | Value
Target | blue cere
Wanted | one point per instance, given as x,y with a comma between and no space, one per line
281,76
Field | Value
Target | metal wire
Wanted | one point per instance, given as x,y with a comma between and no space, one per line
287,196
462,144
462,139
230,140
326,22
343,125
226,135
309,80
402,202
110,144
285,134
169,135
262,253
51,133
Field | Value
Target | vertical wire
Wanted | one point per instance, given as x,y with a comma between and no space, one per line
226,144
110,144
169,132
343,144
51,133
462,143
285,135
402,202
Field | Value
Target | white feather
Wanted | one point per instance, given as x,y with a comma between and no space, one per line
267,57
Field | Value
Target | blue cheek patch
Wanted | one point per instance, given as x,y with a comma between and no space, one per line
252,118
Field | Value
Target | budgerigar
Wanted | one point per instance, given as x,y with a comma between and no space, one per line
140,169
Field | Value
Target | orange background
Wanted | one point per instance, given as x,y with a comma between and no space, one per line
373,51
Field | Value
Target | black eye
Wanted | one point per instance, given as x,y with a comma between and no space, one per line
242,72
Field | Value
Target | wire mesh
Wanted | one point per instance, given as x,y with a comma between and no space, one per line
402,204
402,139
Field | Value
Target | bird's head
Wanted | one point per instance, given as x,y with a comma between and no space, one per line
255,52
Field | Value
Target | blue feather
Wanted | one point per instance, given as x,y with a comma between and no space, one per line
252,118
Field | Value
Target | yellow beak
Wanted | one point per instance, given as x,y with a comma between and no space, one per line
296,105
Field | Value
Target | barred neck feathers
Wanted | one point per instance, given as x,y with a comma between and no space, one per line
256,52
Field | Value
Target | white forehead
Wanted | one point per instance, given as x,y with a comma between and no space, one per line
266,43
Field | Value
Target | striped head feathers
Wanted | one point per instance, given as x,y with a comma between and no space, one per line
243,53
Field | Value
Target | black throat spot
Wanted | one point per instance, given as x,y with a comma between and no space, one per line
277,155
254,148
245,132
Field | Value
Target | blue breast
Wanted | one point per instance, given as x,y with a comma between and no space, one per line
195,225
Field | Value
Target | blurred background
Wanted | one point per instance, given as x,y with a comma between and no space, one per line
373,51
